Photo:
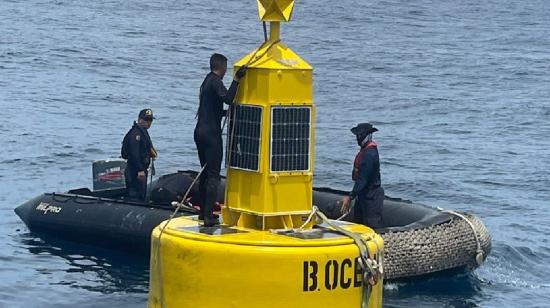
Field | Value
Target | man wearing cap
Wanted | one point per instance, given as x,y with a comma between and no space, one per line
366,174
208,132
138,149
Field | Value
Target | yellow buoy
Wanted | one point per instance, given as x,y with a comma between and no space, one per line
234,267
274,248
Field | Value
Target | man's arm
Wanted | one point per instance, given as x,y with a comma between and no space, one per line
225,95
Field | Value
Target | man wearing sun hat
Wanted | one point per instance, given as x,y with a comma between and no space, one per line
366,175
137,149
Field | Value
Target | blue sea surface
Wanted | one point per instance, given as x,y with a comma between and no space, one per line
460,91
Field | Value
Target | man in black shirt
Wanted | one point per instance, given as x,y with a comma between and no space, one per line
138,150
208,132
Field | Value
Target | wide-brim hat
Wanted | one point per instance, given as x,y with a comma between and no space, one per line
363,129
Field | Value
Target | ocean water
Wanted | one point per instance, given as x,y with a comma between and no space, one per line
459,90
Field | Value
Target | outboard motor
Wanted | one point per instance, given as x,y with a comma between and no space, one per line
108,174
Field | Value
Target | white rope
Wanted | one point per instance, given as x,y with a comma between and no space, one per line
479,251
369,266
358,239
309,218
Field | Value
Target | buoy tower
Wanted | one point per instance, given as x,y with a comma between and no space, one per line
271,136
273,249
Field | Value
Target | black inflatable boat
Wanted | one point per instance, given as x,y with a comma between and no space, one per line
418,239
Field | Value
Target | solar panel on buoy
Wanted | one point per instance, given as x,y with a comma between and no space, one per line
290,138
245,130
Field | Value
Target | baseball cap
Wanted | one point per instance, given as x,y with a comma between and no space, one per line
146,114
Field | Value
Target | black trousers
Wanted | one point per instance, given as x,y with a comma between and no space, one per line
368,208
210,148
135,188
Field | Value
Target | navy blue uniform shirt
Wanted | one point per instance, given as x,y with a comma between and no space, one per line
366,170
138,147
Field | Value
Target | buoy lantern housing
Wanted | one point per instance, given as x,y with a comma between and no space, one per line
270,250
271,138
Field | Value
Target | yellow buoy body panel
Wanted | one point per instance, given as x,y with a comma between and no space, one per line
193,266
277,81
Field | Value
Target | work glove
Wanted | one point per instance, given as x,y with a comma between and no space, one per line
241,72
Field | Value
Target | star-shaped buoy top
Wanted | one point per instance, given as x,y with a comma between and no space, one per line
275,10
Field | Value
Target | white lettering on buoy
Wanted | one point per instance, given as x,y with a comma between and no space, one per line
46,207
334,275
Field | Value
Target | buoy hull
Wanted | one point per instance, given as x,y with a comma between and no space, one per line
239,268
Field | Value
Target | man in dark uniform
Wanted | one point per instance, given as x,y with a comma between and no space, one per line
208,132
366,174
138,149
